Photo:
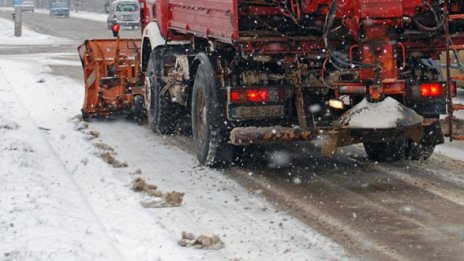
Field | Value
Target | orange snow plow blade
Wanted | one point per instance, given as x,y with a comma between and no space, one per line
112,78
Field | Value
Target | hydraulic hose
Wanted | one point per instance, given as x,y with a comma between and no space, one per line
440,23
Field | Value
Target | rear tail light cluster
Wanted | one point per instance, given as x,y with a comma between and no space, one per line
257,95
431,90
436,89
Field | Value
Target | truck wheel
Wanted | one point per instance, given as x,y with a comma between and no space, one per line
423,149
208,129
162,113
385,151
419,151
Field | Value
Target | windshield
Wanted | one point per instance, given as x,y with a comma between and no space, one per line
127,7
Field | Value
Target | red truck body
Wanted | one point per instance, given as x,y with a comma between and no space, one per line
222,20
263,71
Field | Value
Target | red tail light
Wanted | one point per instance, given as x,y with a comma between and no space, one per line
235,96
431,90
257,95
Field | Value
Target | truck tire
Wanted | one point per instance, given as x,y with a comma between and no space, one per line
423,149
208,129
385,151
419,151
161,112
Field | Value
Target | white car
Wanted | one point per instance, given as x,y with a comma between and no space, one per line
28,6
124,12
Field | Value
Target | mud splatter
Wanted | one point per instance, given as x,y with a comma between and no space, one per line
173,198
109,158
164,200
92,134
103,146
77,118
82,126
136,172
201,242
140,185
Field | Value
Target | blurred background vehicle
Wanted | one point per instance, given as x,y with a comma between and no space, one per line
124,12
59,9
28,6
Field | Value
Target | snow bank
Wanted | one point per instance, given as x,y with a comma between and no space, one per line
28,37
59,200
43,213
386,114
90,16
81,15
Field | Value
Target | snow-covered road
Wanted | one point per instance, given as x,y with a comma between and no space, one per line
60,201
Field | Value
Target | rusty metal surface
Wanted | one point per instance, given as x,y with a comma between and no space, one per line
299,99
328,139
458,137
253,135
458,128
458,107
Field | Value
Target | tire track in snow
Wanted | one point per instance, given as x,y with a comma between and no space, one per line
327,222
67,173
128,131
296,206
303,210
452,192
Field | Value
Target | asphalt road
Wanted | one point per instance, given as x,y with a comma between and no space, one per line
72,28
377,211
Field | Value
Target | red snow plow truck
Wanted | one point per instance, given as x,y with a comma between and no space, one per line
238,73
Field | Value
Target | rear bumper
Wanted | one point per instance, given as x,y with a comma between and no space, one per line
328,140
366,122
